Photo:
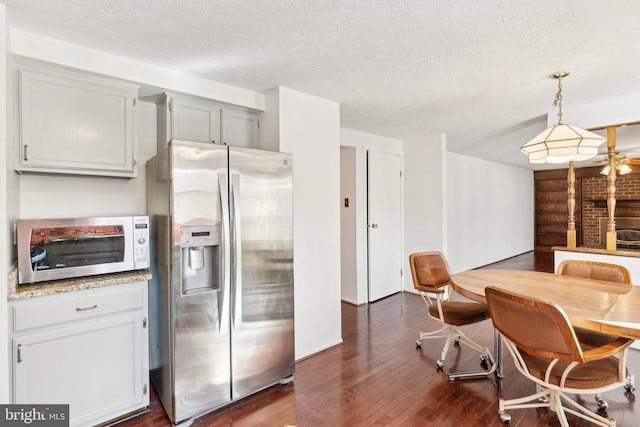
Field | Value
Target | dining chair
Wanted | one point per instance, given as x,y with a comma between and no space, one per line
618,276
595,270
546,350
432,280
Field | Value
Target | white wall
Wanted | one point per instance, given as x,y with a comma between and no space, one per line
360,142
309,128
425,198
489,211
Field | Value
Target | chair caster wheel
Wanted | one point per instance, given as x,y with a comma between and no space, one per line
418,343
630,384
440,363
543,399
483,358
504,417
602,404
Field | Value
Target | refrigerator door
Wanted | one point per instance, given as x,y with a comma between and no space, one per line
262,345
199,276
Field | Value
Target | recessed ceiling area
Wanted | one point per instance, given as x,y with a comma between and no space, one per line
477,71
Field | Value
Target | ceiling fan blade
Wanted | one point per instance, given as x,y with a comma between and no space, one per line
634,161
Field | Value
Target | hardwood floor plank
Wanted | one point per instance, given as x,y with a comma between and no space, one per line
377,377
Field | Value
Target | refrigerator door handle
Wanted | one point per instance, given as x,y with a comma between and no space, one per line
237,237
226,245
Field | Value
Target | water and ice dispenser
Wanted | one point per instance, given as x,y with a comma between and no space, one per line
200,248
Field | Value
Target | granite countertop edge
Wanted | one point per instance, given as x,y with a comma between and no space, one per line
15,291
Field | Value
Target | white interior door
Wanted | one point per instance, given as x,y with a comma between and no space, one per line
384,224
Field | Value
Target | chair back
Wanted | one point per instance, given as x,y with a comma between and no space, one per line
595,270
429,271
537,327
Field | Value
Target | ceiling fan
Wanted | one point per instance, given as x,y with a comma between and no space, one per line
621,160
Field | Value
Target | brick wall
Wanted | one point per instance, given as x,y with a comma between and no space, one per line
594,196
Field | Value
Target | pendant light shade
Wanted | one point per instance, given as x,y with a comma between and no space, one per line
562,143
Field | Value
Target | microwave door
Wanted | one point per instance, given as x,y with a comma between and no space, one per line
54,249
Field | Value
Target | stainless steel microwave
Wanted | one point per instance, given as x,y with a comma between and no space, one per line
54,249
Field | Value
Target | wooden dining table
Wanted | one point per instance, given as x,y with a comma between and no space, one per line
595,305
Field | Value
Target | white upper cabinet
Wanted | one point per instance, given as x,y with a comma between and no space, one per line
195,121
76,124
190,119
239,128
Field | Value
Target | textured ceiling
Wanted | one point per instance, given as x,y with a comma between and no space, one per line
476,70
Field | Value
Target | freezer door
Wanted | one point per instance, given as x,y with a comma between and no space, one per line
200,282
262,345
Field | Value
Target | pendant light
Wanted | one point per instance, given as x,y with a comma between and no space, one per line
562,143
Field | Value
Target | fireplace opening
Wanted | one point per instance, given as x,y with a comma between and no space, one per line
627,232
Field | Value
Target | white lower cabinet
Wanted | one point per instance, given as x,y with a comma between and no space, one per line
84,350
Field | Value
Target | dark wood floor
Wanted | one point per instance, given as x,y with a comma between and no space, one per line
379,377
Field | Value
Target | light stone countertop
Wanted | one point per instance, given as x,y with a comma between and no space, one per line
16,291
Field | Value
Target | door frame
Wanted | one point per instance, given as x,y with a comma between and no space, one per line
361,244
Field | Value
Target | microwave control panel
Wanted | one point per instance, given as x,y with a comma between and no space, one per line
140,242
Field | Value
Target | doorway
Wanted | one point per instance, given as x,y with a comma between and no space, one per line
355,251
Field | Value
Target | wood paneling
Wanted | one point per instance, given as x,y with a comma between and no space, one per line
551,211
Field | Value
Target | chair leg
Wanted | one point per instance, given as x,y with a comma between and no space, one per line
582,412
445,349
454,335
440,333
556,406
462,338
540,398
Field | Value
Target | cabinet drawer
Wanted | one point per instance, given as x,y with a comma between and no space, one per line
75,306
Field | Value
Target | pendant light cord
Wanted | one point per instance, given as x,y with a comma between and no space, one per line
557,102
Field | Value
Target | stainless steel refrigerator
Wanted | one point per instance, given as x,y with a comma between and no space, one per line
221,301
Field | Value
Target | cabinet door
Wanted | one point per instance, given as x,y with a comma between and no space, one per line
239,128
96,368
195,121
76,124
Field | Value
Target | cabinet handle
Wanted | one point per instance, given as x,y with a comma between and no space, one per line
24,152
93,307
19,353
